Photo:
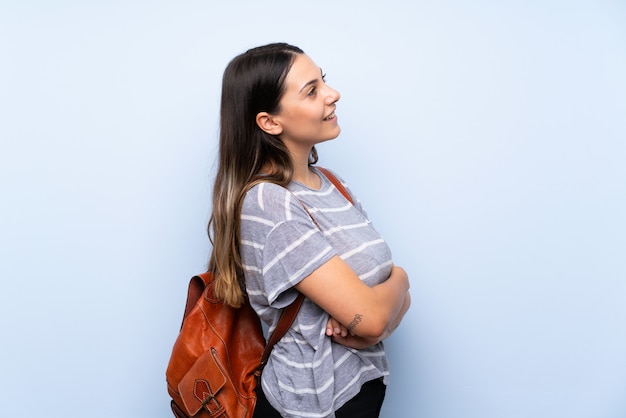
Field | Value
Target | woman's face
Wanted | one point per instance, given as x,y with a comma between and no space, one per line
307,108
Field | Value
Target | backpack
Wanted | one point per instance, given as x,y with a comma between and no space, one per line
219,354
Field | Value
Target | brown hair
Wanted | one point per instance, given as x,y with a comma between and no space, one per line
253,82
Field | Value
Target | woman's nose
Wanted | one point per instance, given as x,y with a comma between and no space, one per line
332,95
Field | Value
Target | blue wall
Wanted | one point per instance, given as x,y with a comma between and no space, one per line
486,139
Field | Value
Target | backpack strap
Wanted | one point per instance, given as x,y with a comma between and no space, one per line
330,176
287,316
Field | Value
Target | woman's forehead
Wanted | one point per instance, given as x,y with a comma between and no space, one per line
302,71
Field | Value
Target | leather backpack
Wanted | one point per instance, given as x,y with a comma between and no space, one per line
219,354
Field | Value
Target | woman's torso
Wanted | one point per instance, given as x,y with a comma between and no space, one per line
280,245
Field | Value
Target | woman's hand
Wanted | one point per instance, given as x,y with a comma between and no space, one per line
334,328
340,335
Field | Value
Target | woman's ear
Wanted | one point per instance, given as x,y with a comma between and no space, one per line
268,123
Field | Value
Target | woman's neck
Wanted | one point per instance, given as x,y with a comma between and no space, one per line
302,173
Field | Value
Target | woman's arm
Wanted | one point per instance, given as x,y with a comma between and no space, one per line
340,334
368,312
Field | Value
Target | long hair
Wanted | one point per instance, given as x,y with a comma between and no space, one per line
253,82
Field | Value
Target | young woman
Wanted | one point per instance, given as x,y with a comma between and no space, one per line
280,227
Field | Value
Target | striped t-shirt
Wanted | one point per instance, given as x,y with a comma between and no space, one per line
307,374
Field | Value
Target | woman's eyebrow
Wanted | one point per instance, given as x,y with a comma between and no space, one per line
314,81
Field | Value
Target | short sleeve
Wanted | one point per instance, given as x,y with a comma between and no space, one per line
280,243
293,251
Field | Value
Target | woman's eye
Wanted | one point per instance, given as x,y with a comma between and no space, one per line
312,92
324,77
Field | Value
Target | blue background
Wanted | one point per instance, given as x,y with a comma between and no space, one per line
486,139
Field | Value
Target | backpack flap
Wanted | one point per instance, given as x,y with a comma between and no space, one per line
202,383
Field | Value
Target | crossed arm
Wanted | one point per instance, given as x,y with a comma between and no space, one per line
341,334
362,315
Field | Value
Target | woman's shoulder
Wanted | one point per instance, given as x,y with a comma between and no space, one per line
268,197
266,190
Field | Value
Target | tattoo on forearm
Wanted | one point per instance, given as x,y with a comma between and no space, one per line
355,322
